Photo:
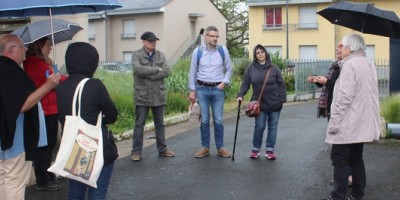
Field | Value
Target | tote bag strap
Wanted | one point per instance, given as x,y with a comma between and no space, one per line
77,99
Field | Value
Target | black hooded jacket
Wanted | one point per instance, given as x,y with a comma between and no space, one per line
274,94
81,60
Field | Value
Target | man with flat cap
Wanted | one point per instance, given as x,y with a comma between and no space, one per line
150,70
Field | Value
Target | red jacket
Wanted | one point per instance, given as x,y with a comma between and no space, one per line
36,68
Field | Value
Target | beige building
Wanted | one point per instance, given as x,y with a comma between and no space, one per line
116,33
176,23
294,28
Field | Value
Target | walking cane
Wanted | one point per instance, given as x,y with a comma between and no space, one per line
237,124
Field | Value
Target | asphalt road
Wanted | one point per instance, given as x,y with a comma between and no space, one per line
301,172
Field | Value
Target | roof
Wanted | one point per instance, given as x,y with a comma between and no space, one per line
135,7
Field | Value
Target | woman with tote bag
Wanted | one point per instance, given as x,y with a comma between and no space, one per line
81,60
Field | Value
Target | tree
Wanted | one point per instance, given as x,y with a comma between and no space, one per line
237,36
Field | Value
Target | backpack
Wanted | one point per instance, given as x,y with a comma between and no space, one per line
200,53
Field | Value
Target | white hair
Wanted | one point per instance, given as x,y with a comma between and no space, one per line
354,41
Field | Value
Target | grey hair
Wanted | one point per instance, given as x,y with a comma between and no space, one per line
354,41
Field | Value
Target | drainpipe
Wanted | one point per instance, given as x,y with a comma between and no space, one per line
106,25
287,29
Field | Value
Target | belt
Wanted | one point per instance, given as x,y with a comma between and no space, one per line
208,84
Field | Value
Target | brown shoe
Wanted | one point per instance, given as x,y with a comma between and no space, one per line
202,152
136,157
167,153
224,153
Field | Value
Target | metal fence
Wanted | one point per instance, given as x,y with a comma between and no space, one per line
303,68
116,66
300,69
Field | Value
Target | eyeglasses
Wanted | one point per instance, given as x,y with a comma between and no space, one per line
20,45
260,52
213,36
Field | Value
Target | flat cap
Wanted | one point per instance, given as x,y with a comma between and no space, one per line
149,36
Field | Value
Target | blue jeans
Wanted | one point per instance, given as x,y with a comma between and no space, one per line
141,115
211,97
77,190
260,123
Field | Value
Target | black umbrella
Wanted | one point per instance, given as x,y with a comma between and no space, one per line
363,17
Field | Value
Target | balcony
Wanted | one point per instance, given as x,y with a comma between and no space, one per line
292,27
272,27
128,36
305,26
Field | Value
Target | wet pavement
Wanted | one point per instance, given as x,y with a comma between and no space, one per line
301,172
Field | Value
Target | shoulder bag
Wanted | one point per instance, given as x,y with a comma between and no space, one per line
81,149
253,107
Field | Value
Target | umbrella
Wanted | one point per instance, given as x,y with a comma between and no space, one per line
363,17
62,30
27,8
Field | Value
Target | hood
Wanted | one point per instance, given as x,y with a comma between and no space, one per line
267,56
81,58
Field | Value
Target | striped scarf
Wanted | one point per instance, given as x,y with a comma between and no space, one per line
323,98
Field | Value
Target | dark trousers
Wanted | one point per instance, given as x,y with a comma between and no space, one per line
45,154
344,156
158,117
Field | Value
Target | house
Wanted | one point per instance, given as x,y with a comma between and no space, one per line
294,28
116,33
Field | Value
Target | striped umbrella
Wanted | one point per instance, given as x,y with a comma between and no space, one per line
62,30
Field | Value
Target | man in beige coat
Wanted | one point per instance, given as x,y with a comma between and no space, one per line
354,117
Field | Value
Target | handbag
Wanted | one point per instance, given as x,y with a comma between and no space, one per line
253,107
81,149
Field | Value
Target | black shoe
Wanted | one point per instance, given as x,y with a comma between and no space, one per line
353,198
48,186
58,179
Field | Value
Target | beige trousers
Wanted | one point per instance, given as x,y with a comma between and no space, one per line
14,176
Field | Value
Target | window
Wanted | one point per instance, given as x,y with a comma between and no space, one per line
274,49
127,56
127,63
92,31
273,18
370,51
308,52
129,30
308,17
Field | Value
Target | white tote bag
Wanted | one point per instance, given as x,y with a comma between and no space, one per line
80,156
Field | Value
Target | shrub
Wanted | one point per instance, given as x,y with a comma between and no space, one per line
240,68
120,88
277,60
390,108
289,82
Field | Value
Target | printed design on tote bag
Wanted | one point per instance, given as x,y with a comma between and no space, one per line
81,160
